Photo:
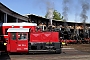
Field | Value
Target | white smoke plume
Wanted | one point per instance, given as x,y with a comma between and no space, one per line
48,6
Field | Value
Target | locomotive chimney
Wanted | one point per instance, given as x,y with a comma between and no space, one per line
50,15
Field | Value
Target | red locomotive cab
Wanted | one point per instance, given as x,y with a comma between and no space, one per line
4,27
17,40
15,45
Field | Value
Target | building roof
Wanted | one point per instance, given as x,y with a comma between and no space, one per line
10,12
55,20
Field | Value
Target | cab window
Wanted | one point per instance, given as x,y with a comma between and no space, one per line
22,36
13,36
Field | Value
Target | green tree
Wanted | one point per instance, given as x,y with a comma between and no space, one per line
56,15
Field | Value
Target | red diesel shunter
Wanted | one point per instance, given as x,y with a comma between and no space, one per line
26,38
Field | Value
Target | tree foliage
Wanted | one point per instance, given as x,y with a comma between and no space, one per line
56,15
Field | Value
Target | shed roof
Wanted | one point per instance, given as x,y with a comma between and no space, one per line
5,9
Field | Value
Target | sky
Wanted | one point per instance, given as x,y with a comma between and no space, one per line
39,7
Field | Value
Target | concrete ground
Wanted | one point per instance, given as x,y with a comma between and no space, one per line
70,52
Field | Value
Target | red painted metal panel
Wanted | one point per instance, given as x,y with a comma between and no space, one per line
13,44
44,37
8,43
22,45
55,37
35,37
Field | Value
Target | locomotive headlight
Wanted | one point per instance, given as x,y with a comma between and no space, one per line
5,43
63,43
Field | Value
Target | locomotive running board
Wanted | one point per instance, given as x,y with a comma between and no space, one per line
42,51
